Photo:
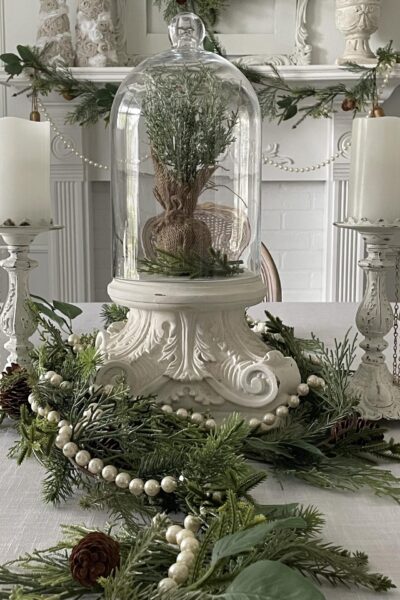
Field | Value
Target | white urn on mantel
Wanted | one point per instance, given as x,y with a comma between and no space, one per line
186,135
357,20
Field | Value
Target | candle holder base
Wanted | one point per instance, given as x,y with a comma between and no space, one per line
15,319
379,396
373,384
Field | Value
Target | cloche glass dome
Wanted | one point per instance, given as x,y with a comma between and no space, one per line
186,138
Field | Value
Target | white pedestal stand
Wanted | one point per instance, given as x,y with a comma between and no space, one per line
189,342
373,382
15,320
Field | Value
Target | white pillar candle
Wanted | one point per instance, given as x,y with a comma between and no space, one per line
24,172
375,169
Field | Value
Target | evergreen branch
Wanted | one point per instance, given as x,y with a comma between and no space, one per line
112,313
188,129
191,265
278,99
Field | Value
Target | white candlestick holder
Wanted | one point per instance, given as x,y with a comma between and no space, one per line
15,319
373,383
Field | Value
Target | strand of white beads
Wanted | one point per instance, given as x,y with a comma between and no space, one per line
67,143
268,420
122,479
95,466
386,72
185,539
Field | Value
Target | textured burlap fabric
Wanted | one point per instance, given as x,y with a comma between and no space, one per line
176,229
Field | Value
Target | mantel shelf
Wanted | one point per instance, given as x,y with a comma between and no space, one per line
312,74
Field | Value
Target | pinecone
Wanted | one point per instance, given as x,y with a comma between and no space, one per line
354,424
349,104
14,390
96,555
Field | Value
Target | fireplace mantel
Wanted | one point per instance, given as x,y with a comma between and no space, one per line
304,74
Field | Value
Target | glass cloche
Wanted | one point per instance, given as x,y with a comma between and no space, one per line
186,129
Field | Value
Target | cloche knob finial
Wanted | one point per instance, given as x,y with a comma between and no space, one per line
187,30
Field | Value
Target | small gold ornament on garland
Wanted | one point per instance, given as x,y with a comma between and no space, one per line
96,555
377,111
14,390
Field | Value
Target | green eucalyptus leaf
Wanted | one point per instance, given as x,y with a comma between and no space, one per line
271,580
25,53
310,448
9,58
13,69
69,310
45,310
290,112
42,300
285,102
245,540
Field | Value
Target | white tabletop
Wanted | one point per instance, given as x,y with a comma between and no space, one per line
356,521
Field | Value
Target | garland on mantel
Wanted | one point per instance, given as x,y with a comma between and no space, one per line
279,100
131,456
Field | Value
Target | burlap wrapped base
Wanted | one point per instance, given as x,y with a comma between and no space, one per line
184,235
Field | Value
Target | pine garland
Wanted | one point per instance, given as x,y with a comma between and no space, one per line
279,100
322,443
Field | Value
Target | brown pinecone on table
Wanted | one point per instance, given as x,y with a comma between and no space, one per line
352,424
14,390
96,555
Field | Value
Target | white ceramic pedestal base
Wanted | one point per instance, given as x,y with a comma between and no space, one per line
372,383
189,343
15,319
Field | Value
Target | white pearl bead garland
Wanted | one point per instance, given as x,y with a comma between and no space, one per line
136,486
95,466
56,380
83,458
109,473
190,543
386,70
186,557
53,416
178,572
183,534
341,153
192,523
67,144
184,537
168,484
70,450
171,533
167,585
152,488
123,480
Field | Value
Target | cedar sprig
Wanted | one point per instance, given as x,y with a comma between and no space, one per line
191,265
113,313
187,120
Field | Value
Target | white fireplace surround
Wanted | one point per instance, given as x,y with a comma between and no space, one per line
324,259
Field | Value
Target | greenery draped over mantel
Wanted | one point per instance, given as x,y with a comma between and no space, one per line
279,100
